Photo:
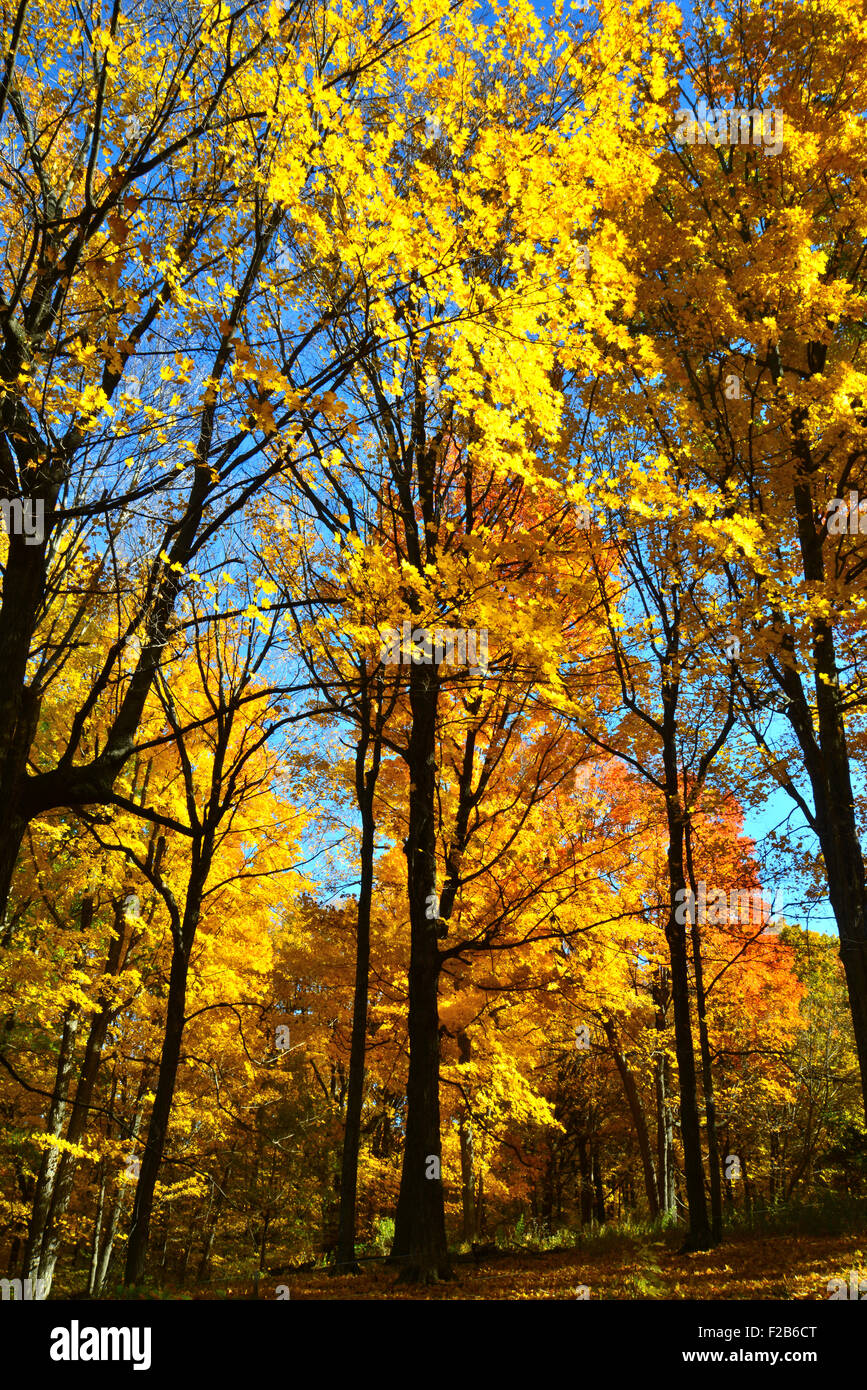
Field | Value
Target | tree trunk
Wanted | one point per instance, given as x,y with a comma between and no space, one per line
22,597
97,1230
662,1088
826,760
748,1190
105,1253
698,1234
161,1277
365,786
212,1222
469,1229
469,1226
99,1215
636,1110
263,1243
51,1157
419,1227
586,1181
713,1156
157,1131
188,1246
598,1186
64,1177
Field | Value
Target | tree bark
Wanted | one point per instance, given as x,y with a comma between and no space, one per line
365,787
105,1254
636,1110
419,1229
211,1223
157,1131
698,1234
713,1155
825,754
662,1088
51,1157
827,764
598,1185
61,1189
469,1228
586,1200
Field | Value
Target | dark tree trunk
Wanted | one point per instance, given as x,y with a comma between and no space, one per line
826,756
662,1087
419,1234
419,1228
586,1181
598,1185
51,1158
99,1215
481,1223
263,1243
158,1125
105,1254
777,1184
365,786
699,1234
469,1227
713,1155
188,1247
22,597
636,1110
211,1224
64,1178
748,1188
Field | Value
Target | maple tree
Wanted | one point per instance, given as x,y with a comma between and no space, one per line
756,402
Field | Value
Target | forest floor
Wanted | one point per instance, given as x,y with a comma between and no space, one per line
744,1267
